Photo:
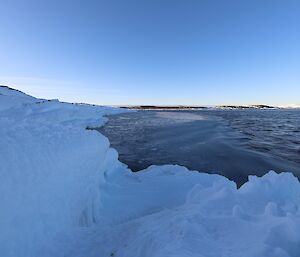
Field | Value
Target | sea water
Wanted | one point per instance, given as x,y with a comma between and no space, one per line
233,143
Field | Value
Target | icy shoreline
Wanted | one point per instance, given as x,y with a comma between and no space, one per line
64,193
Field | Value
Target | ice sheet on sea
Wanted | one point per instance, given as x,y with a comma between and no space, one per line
63,192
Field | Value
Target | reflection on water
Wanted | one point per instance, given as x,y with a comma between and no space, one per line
234,143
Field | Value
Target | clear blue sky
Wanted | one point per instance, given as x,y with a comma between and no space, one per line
153,51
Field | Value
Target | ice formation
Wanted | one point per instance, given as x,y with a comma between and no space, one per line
63,192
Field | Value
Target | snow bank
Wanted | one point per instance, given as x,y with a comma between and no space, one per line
63,192
51,171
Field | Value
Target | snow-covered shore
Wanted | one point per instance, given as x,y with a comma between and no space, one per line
63,192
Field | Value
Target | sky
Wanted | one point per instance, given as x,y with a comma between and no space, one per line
163,52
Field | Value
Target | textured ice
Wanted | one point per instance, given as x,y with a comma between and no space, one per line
63,192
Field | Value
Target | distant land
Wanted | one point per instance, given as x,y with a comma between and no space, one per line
184,107
170,107
257,106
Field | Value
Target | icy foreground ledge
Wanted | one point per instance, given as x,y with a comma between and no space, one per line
63,192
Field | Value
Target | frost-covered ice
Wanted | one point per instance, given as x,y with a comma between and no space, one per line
63,192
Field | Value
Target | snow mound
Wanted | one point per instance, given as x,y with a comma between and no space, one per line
10,97
195,214
63,192
7,91
51,170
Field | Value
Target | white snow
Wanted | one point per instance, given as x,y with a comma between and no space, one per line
12,98
63,192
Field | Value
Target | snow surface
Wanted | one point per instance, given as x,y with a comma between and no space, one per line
12,98
63,192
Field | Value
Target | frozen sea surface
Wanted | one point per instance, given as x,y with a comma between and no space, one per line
233,143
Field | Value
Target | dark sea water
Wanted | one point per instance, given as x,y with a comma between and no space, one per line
233,143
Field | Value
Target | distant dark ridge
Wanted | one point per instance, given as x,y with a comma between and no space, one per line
258,106
150,107
182,107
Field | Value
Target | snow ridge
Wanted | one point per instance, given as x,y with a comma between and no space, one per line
10,97
63,192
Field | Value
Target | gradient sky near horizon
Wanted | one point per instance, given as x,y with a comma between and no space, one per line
203,52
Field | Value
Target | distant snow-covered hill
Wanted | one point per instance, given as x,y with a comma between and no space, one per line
291,106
